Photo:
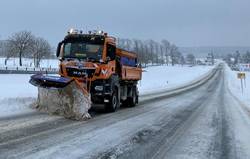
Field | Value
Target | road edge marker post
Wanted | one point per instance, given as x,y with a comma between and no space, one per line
241,76
245,83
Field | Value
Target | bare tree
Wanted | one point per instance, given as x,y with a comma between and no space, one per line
137,48
151,47
125,44
129,44
246,57
121,43
136,45
1,48
166,46
10,51
237,57
182,60
157,52
173,54
152,51
20,42
40,49
190,59
162,55
4,51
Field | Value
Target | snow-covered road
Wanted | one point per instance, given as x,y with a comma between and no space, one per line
205,122
16,94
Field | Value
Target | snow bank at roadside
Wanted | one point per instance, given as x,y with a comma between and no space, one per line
234,85
159,78
16,94
14,106
15,87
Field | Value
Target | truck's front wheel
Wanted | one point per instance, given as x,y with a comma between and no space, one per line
113,103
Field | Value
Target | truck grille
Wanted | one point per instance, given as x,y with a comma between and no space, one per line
79,72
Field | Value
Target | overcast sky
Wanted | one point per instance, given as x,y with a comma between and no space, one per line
183,22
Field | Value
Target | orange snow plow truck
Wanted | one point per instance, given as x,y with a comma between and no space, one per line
92,71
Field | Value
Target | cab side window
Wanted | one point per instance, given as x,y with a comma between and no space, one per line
111,51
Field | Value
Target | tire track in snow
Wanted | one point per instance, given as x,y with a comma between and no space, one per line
145,143
50,137
58,136
19,131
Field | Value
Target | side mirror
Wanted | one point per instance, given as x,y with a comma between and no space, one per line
58,50
111,50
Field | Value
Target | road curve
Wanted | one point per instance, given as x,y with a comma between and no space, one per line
200,123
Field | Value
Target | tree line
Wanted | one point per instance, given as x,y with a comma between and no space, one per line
153,52
237,57
25,44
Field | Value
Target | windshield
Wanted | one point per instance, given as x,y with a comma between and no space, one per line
83,51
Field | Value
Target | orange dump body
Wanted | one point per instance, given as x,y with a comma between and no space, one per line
129,69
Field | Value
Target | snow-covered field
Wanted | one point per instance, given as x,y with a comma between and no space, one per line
234,85
17,94
159,78
16,85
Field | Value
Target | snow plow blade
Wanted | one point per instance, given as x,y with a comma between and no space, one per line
61,96
40,80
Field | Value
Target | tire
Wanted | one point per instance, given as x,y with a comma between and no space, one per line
132,101
114,102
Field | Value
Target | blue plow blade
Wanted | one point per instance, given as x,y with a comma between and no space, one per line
45,81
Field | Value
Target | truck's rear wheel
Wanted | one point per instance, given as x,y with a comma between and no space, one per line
132,101
113,103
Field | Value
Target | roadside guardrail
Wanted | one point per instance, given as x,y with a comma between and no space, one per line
27,70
